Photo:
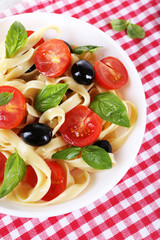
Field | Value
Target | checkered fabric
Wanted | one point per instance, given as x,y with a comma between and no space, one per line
131,209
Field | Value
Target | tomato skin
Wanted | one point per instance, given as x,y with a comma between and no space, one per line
3,160
58,180
29,32
52,58
31,176
110,73
81,127
12,113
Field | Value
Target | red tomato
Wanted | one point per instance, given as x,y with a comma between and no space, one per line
58,180
52,58
81,127
110,73
12,113
3,160
38,43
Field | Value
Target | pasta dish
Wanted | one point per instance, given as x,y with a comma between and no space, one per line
58,115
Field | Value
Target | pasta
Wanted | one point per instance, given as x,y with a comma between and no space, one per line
13,73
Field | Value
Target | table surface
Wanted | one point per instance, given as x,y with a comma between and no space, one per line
4,4
131,209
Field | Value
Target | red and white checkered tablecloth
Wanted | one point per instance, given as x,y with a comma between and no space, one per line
131,209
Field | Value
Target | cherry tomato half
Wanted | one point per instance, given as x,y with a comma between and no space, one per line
81,127
58,180
29,32
3,160
12,113
110,73
52,58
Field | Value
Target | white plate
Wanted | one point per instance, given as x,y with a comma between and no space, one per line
79,33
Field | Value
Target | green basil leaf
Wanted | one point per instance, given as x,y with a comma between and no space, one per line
15,170
110,108
135,31
96,157
87,48
68,153
119,24
15,39
5,97
49,96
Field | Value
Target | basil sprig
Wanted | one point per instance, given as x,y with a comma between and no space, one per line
68,153
119,24
15,170
87,48
15,39
110,108
133,30
49,96
94,156
5,97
